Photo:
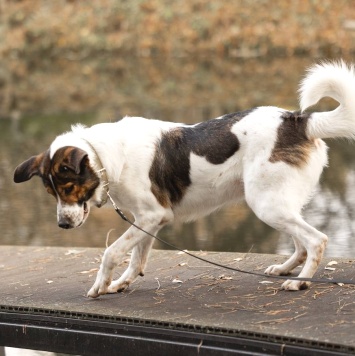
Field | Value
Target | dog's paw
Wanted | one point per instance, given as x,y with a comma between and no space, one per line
275,270
118,286
99,288
295,285
93,293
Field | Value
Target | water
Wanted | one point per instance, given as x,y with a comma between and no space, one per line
176,90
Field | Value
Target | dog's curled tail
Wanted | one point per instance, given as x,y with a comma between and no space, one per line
335,80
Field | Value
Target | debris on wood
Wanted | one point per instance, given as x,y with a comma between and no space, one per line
266,282
175,280
225,278
74,252
332,263
89,271
157,279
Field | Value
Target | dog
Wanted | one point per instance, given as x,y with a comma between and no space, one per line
161,171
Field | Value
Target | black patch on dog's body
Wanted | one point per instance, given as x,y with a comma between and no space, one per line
292,145
170,171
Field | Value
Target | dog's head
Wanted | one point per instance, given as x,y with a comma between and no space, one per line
67,176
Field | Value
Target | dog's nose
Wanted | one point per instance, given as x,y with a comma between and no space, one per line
64,224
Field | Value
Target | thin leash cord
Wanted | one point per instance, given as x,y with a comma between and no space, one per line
234,269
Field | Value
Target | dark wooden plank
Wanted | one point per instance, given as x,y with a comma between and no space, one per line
221,301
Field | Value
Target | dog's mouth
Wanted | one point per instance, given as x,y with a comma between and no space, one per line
86,210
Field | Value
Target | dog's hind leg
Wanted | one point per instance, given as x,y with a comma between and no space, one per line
277,194
314,242
140,254
298,257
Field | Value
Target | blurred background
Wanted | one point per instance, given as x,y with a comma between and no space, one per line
63,62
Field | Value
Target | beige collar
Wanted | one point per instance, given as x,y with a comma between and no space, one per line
102,175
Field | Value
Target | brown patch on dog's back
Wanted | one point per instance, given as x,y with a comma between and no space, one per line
292,146
170,170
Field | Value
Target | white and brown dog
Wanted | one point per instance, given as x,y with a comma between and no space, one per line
161,171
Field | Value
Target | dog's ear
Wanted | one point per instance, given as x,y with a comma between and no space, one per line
75,159
34,166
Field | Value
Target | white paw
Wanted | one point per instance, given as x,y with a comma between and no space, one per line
118,286
294,285
275,270
99,288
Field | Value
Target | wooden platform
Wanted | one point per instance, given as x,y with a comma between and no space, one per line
181,306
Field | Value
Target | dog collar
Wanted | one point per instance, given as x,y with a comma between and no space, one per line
103,176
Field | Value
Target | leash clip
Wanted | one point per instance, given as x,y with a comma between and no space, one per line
117,209
101,170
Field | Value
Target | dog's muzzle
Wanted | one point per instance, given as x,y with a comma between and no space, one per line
70,216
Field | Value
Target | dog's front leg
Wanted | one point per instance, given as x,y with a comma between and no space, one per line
136,266
113,256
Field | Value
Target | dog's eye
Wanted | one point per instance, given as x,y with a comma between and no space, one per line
63,169
68,190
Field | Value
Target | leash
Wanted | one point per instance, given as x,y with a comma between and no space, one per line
234,269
